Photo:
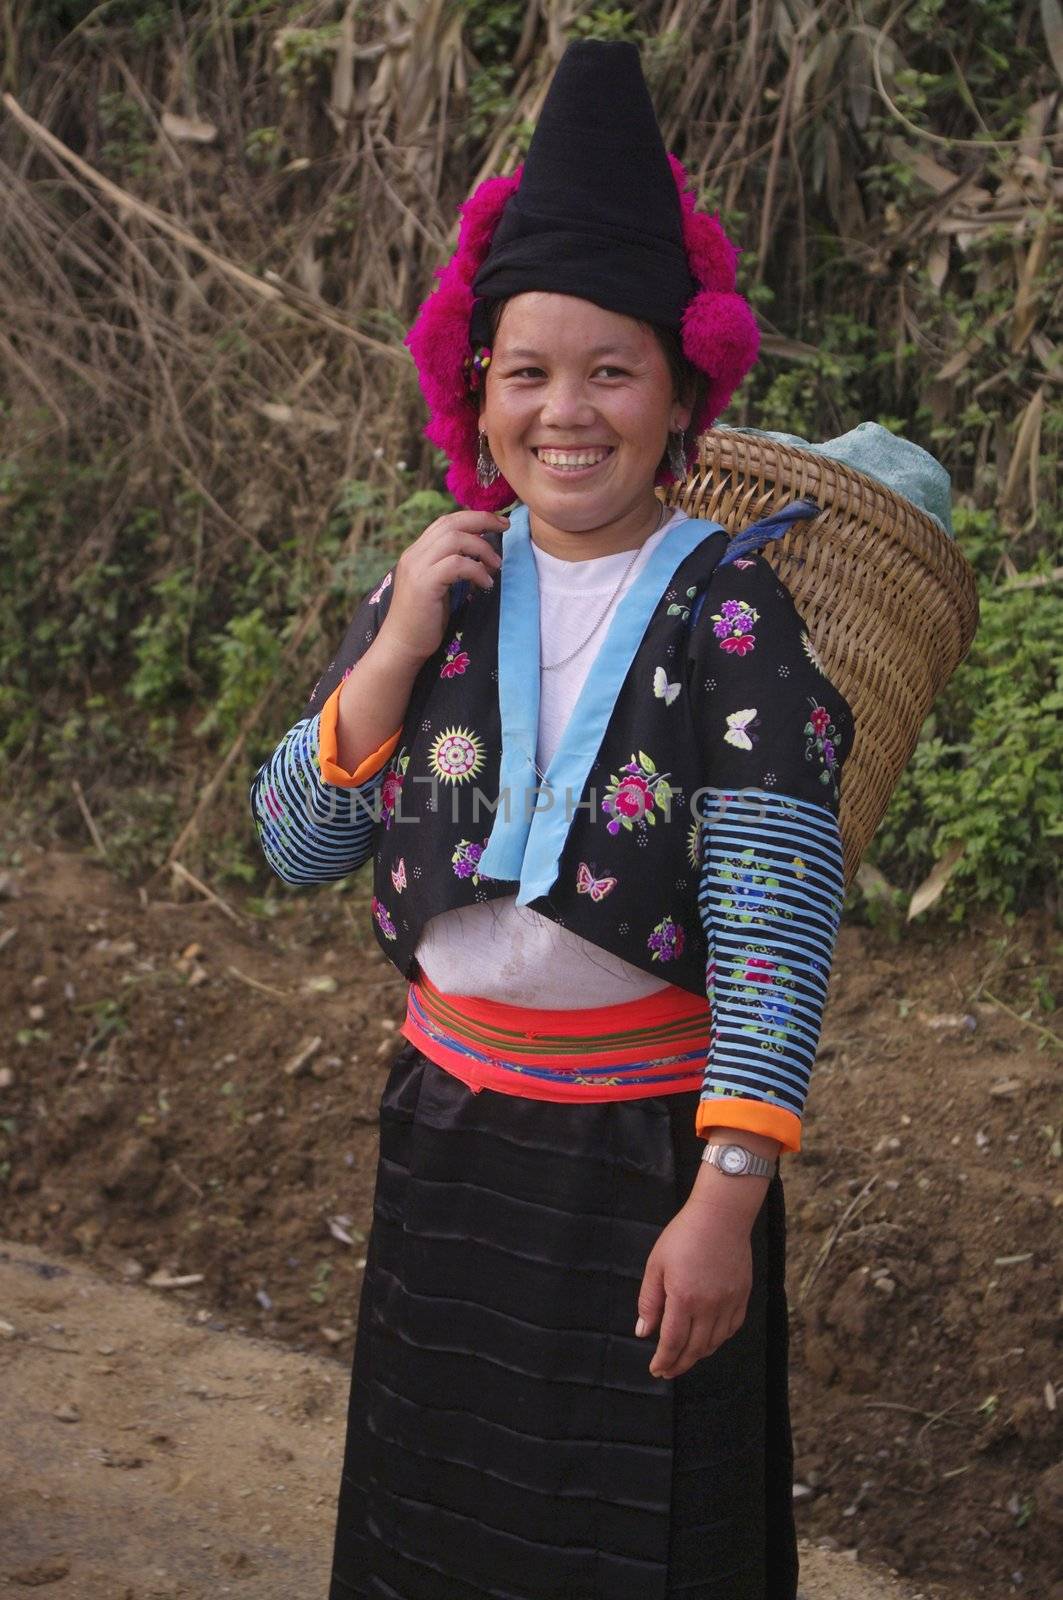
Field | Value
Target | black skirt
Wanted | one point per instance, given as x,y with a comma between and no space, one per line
505,1440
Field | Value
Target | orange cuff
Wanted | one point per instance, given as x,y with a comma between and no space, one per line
754,1116
331,771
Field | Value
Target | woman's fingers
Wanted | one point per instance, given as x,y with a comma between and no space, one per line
706,1331
472,522
675,1331
450,568
451,548
467,544
701,1341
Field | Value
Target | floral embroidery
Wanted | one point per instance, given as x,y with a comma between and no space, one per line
784,671
391,787
743,561
680,610
666,940
456,755
383,921
589,880
810,651
457,659
733,626
466,859
752,895
385,583
634,792
398,875
767,988
739,728
693,843
822,740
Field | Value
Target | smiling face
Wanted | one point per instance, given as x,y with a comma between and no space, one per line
577,408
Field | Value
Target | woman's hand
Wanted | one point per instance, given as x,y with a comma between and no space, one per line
700,1273
450,548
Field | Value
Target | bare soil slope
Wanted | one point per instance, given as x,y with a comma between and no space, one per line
190,1094
148,1456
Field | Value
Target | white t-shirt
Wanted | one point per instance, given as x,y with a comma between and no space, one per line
497,949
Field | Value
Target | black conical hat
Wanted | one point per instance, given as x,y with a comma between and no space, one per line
597,211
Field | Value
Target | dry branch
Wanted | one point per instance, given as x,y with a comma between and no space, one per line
272,291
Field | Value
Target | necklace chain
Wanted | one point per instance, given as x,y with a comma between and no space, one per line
552,666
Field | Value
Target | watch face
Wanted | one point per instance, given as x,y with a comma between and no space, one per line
733,1158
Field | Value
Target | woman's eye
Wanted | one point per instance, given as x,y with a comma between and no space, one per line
527,372
613,372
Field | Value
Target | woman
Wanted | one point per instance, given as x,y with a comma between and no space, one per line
596,760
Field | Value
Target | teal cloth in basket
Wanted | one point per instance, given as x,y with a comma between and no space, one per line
906,468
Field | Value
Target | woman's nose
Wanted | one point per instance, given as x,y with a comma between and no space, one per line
566,404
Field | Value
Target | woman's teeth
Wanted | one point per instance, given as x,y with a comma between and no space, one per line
571,460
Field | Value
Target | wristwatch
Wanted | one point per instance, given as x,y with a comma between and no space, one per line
737,1161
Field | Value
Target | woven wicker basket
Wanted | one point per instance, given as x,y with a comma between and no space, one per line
889,600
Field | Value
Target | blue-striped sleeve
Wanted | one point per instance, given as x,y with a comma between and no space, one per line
775,734
770,899
311,831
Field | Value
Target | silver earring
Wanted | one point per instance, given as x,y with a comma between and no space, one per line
487,471
677,455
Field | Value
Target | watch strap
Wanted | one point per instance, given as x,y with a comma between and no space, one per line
755,1166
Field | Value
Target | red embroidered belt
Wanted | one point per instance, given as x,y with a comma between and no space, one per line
655,1045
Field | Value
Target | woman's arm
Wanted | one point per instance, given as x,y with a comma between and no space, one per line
776,734
311,830
316,798
314,816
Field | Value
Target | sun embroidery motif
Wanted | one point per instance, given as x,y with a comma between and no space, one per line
456,755
693,834
733,626
740,725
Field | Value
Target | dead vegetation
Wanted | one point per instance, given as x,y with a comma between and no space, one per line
218,220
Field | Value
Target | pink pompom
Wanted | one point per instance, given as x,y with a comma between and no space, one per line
721,338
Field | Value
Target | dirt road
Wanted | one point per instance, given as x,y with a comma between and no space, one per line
148,1456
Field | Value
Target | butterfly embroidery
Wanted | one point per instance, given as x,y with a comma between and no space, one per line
398,875
662,688
587,883
738,722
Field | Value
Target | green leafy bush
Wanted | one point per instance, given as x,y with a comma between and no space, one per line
988,769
